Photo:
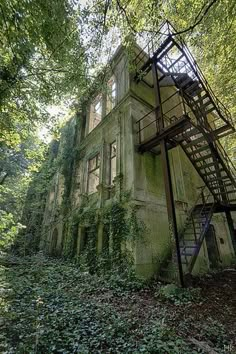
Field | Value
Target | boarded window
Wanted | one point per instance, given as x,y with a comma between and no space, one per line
111,94
112,162
93,174
95,116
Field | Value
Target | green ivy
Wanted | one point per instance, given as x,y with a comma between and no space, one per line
120,226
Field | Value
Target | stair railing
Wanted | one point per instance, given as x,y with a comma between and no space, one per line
219,147
165,32
201,238
221,107
203,225
189,213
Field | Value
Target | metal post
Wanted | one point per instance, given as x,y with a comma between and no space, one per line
167,174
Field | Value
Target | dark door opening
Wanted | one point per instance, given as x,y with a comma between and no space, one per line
212,248
54,242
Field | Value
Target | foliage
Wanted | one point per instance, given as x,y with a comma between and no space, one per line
51,306
69,311
179,295
120,228
40,53
34,206
8,230
215,332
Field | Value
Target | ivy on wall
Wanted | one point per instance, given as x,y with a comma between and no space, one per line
120,228
118,220
27,241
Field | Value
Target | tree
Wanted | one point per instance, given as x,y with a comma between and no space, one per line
42,58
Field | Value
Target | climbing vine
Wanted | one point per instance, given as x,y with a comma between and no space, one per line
120,229
28,239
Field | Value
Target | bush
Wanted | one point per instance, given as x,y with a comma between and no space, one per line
178,295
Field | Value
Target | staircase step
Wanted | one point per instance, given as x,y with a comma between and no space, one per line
187,254
210,110
229,192
207,165
206,104
225,185
203,158
191,132
195,142
184,83
194,89
192,233
188,247
201,98
208,173
180,77
190,240
217,179
197,151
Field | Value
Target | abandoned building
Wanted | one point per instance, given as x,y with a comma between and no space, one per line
155,131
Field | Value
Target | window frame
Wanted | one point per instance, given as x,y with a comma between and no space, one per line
94,112
97,167
111,157
111,94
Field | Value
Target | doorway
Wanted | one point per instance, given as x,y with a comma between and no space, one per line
54,242
212,247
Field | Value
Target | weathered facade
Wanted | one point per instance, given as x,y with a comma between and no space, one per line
114,156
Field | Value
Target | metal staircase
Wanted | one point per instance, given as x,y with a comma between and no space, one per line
194,119
191,236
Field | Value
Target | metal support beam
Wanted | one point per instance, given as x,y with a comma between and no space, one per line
166,172
231,228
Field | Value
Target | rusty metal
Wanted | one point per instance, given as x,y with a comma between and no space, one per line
199,140
167,174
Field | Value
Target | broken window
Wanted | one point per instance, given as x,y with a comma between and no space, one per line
93,174
111,94
95,113
112,162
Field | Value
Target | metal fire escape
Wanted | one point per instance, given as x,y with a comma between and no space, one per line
190,116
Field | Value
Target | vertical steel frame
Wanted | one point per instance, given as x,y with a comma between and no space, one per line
166,170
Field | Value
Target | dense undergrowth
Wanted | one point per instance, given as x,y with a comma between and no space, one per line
49,306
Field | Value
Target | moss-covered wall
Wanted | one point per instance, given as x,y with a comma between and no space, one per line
149,190
139,176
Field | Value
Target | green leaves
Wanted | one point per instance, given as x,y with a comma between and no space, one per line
39,56
54,308
50,306
9,228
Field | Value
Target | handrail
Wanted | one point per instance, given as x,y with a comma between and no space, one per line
146,114
203,78
169,31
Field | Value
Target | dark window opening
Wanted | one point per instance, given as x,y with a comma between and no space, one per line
93,174
112,163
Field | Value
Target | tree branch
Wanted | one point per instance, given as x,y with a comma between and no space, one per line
197,22
126,16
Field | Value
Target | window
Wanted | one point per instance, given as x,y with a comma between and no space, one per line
93,174
112,162
95,113
111,94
